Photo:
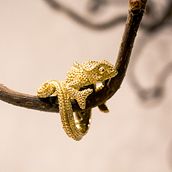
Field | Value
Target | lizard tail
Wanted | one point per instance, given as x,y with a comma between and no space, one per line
75,126
46,89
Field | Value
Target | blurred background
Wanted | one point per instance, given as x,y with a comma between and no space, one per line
40,40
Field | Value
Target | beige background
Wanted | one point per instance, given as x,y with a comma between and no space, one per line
36,44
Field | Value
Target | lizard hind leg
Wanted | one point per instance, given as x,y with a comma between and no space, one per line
82,96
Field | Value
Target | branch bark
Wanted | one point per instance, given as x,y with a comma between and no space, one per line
135,13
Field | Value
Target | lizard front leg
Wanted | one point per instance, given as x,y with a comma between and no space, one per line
102,107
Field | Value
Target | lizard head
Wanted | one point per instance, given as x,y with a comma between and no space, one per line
99,71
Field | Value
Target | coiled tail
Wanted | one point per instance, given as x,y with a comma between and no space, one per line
76,124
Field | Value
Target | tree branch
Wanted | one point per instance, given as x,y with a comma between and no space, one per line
161,22
81,20
136,10
153,26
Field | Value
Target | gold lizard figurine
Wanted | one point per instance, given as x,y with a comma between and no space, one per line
80,75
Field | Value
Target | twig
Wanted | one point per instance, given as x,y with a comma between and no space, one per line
136,10
157,91
81,20
161,22
155,25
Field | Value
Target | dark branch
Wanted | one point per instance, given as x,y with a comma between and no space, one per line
27,101
162,21
81,20
136,10
155,25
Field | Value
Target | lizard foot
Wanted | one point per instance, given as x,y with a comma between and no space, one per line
81,97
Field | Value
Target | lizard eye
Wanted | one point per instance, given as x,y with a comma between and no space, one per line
101,70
